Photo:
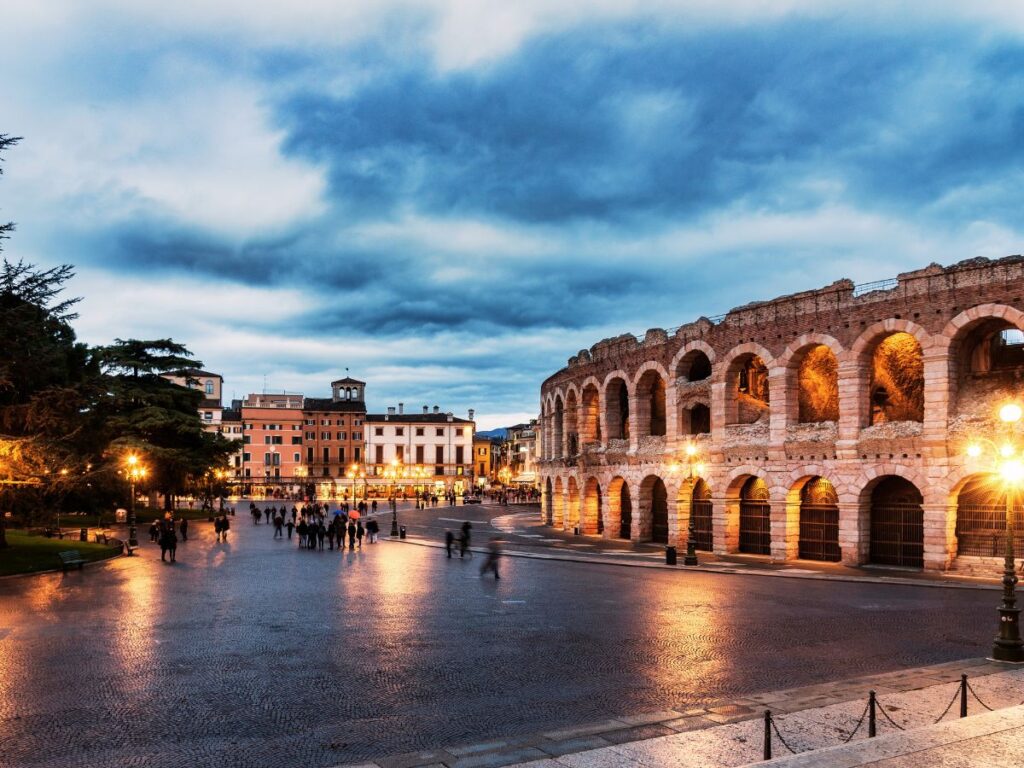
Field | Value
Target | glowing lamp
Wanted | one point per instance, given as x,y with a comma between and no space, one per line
1011,413
1007,450
132,459
974,450
1012,471
691,450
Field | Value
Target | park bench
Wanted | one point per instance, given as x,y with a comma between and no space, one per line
70,557
102,538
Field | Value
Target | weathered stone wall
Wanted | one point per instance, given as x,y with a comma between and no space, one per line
791,440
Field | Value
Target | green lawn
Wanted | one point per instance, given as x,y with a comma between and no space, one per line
37,553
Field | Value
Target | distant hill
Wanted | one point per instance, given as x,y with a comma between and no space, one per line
501,433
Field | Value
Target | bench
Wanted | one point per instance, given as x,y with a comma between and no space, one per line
70,557
102,538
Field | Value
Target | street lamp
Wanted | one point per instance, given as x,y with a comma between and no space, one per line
135,472
393,473
692,459
1008,645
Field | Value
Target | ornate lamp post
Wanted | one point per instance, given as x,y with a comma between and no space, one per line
394,472
135,472
1008,645
692,459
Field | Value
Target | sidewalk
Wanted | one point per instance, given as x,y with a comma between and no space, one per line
730,733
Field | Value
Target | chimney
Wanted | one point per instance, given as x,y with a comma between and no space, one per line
437,409
401,408
471,412
449,415
426,409
391,410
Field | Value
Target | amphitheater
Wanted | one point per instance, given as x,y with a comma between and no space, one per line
825,425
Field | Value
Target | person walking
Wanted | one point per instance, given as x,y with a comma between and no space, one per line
290,525
330,536
360,531
321,534
373,528
184,529
464,540
267,513
493,553
278,527
351,534
217,527
154,531
303,530
449,540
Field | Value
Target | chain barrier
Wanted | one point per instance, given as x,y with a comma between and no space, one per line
975,695
873,705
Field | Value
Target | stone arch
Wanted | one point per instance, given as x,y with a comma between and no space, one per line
558,504
653,510
812,512
745,375
592,522
572,500
620,509
572,435
895,508
650,384
695,420
590,404
856,371
811,371
694,497
687,355
979,508
558,428
616,408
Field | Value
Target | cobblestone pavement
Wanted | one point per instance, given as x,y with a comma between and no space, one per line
256,654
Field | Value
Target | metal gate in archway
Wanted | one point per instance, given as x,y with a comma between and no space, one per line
702,525
897,524
755,518
819,521
659,512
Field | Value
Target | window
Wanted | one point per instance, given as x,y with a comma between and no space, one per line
297,457
342,436
341,455
207,416
309,453
327,455
357,435
245,457
248,472
209,387
419,431
296,440
482,452
380,454
246,439
309,422
459,454
325,422
440,431
467,431
296,427
419,454
327,471
311,435
357,453
325,435
378,431
399,431
400,452
439,454
341,422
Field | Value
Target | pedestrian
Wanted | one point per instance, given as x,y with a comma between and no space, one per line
290,525
464,540
154,531
303,530
373,528
321,533
168,539
217,527
360,531
351,534
184,529
278,527
330,536
267,513
225,526
493,552
373,506
449,540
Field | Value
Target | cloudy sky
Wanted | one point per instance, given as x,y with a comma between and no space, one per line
449,197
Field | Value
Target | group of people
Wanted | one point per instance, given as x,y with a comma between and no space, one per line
490,564
165,533
315,525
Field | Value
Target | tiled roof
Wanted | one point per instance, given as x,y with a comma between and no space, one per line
416,418
196,373
328,404
348,380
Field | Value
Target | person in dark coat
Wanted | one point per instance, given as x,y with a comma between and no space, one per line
351,534
184,529
493,553
154,531
359,532
331,530
217,527
321,533
464,540
290,525
449,540
303,530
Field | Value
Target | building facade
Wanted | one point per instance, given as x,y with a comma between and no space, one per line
211,385
826,425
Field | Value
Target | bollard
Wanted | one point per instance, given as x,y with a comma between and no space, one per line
401,532
871,714
963,695
576,531
767,735
670,556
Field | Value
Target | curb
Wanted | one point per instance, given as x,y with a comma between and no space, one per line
723,569
102,561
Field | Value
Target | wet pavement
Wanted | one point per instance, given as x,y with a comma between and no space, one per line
257,654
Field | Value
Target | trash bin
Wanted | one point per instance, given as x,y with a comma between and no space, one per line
401,532
576,531
83,534
670,555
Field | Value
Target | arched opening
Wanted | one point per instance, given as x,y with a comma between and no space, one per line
558,502
694,366
573,508
702,519
749,399
696,420
897,524
981,518
616,417
654,509
558,433
818,386
572,437
987,368
819,521
897,380
590,429
592,507
755,518
620,508
548,504
650,398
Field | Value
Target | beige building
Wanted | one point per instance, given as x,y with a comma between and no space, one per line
211,385
826,425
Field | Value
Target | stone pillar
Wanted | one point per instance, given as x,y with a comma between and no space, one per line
671,416
779,409
634,424
635,528
939,535
718,394
681,516
938,391
785,529
854,531
725,517
853,398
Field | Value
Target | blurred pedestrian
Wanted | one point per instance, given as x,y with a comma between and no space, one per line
449,540
493,553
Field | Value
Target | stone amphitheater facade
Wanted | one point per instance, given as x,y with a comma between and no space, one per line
827,425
